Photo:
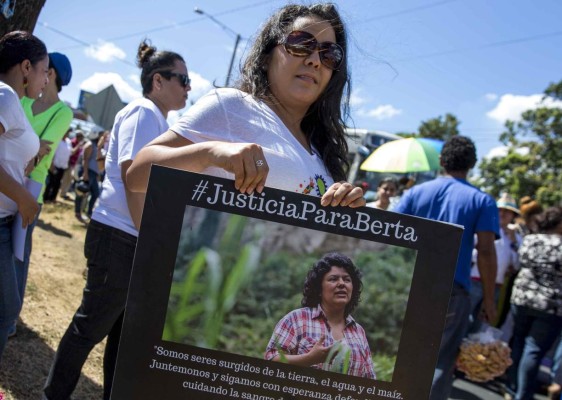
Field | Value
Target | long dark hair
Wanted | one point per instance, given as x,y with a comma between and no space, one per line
312,290
151,61
18,46
324,123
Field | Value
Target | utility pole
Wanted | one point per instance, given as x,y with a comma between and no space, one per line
226,28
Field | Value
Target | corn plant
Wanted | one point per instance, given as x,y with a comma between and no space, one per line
339,357
212,282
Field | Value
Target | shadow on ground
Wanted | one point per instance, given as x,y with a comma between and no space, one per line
51,228
25,366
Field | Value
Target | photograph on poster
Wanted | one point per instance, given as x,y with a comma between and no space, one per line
244,276
229,291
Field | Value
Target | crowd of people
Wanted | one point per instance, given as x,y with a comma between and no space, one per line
281,125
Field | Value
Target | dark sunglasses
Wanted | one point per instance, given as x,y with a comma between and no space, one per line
184,79
303,44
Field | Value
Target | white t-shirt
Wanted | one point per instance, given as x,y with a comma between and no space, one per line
18,144
136,125
230,115
62,154
505,254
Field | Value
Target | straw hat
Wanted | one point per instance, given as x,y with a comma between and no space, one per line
507,202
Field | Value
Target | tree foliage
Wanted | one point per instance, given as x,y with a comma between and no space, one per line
435,128
25,15
440,128
533,164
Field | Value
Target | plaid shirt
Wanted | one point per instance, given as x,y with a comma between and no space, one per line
298,331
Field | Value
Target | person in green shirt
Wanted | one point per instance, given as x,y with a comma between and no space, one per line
50,118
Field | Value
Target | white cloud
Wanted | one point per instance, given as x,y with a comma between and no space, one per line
501,151
104,52
491,96
385,111
135,78
199,86
511,106
355,99
100,80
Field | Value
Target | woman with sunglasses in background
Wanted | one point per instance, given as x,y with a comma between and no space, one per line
282,123
112,232
24,67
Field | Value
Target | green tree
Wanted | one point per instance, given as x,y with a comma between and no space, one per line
439,128
407,134
533,164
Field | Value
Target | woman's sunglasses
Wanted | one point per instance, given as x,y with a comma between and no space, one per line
184,79
303,44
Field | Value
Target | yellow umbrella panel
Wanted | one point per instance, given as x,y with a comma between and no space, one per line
404,156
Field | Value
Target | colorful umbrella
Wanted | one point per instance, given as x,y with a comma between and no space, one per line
405,155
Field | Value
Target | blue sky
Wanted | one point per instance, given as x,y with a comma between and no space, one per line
482,60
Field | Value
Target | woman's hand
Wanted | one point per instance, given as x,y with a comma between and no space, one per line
245,160
27,207
44,148
343,194
319,352
30,166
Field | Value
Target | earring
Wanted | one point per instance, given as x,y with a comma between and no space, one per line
25,83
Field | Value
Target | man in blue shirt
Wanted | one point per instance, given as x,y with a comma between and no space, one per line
450,198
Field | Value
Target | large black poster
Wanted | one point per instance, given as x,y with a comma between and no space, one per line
215,270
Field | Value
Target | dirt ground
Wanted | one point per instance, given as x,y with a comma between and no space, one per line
54,291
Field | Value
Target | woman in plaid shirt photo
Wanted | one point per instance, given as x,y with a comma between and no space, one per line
323,334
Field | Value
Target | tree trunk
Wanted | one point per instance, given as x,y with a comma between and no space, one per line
26,13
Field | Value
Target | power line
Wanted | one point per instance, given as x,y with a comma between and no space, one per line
484,46
524,39
406,11
187,22
66,35
156,29
75,39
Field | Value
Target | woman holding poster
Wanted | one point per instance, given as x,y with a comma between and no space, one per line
112,232
283,123
323,334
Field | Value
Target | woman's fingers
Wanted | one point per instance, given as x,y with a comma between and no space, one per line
355,198
343,194
260,170
248,164
28,210
250,174
360,202
44,147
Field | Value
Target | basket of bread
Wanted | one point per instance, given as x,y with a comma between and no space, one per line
483,356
